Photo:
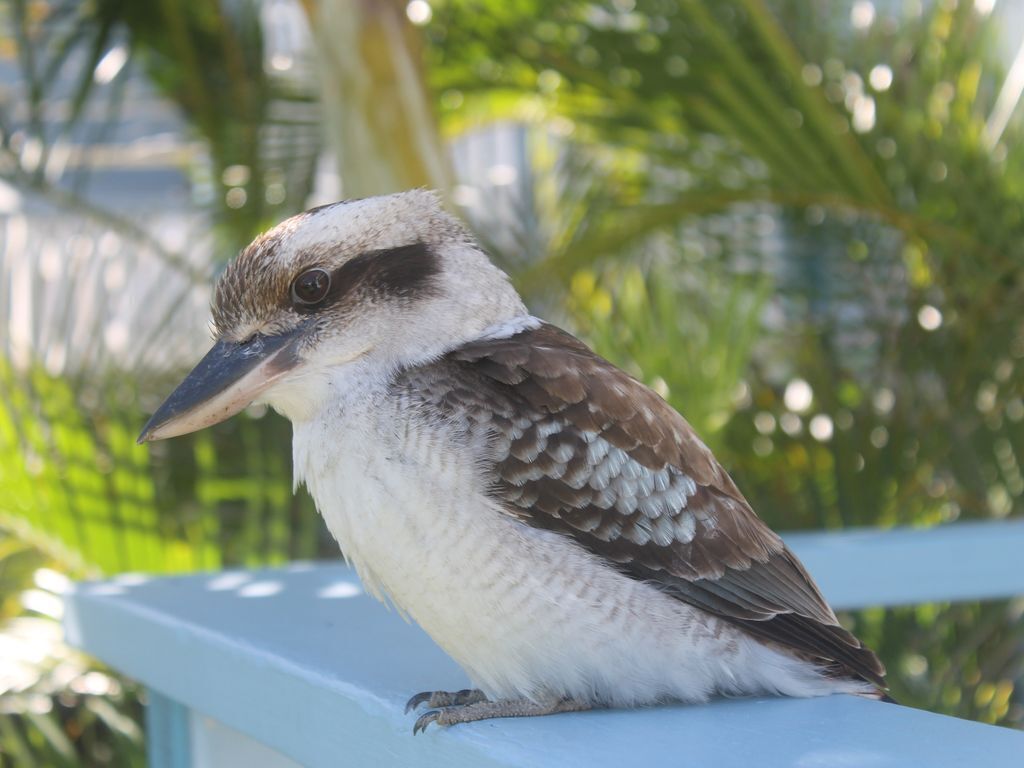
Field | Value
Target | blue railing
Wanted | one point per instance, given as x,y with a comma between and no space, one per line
297,666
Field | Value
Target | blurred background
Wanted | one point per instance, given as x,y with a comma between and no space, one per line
801,221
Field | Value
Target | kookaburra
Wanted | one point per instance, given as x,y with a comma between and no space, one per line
552,523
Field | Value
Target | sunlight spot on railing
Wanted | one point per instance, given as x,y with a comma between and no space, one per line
106,589
229,580
340,589
130,579
261,589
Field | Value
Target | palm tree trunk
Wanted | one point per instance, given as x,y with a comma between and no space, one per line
378,113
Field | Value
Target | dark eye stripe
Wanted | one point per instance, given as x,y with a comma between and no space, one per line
404,273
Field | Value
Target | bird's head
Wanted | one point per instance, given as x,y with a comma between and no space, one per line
375,285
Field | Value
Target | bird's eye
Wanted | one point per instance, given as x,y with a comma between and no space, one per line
310,287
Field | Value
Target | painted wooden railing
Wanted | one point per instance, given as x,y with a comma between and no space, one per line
297,666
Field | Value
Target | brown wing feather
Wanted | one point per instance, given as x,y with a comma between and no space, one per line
582,448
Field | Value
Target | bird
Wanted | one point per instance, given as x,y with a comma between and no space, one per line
552,523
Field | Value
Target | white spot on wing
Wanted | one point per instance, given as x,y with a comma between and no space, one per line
548,428
686,527
641,532
596,450
608,469
654,506
561,453
663,531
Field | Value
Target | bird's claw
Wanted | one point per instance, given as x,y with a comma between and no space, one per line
435,699
428,717
444,707
471,705
420,698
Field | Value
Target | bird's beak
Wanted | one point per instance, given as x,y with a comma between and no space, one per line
231,376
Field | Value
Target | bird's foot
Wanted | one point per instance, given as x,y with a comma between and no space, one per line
435,699
484,710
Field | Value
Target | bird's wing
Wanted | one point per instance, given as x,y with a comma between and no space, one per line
582,448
